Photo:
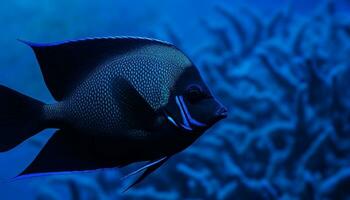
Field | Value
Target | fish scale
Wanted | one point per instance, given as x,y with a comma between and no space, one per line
148,74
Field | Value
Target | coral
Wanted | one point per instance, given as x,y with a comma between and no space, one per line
285,81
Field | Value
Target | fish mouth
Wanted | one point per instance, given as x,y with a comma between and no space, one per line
220,114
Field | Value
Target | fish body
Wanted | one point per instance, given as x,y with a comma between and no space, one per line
119,101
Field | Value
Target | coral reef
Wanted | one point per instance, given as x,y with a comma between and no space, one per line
285,79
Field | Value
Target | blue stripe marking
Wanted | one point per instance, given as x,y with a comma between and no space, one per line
172,120
185,124
188,115
26,176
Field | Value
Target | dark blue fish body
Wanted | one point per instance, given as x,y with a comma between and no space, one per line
119,101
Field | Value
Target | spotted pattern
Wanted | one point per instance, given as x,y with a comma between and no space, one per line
91,107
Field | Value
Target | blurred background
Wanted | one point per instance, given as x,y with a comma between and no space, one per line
281,67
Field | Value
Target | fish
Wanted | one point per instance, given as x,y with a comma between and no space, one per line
118,101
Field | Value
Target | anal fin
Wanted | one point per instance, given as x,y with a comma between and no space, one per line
64,152
149,168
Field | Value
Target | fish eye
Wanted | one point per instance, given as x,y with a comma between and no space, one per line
194,93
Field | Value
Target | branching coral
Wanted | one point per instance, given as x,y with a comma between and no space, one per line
285,81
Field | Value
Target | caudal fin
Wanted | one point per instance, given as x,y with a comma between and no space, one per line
20,118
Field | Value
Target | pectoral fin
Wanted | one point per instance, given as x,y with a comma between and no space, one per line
135,108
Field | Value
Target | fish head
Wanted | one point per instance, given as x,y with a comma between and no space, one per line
191,106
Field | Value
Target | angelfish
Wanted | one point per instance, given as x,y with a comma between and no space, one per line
120,100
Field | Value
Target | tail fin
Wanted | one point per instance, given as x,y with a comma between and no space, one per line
20,118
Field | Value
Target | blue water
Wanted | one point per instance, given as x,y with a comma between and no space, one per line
281,67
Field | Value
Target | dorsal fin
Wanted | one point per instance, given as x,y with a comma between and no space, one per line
65,64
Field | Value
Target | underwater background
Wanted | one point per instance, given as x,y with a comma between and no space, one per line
282,67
